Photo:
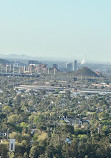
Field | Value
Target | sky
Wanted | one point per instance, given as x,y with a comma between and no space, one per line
62,29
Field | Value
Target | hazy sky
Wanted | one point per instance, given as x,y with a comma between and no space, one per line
56,28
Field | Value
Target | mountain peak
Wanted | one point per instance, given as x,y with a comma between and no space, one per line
85,71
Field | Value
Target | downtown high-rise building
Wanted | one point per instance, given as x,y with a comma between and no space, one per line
69,67
75,65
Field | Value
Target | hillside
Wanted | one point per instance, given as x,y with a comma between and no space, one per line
85,72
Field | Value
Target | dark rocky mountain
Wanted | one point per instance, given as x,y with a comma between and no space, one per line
86,72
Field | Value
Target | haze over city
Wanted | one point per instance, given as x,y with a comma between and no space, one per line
56,29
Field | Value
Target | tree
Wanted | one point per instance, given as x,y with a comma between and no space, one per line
3,149
36,151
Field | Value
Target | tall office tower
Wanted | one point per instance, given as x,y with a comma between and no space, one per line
13,69
54,71
75,65
24,69
48,70
7,68
69,67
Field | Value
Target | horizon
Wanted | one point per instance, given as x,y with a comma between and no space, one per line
50,59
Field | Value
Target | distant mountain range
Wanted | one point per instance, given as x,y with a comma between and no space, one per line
15,56
26,57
